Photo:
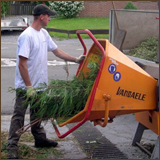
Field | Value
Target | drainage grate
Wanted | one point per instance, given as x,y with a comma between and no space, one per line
95,144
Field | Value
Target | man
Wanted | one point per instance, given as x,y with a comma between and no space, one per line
31,70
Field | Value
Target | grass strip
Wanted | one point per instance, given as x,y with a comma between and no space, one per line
78,23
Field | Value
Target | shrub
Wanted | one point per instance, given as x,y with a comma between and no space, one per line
67,9
147,49
41,2
130,5
4,7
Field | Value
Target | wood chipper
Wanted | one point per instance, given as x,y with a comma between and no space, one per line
121,87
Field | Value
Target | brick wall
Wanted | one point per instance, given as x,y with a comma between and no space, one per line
102,8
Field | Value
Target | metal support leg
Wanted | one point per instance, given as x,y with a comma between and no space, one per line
155,153
137,138
138,134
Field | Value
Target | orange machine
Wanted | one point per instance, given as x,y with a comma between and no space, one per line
121,87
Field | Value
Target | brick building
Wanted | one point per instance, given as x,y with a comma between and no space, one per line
102,8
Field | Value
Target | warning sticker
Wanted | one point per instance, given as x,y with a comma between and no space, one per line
112,68
117,76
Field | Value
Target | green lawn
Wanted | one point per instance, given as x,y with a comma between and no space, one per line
78,23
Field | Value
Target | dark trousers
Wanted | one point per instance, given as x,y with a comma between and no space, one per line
17,122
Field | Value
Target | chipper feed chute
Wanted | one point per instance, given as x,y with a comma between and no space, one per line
121,86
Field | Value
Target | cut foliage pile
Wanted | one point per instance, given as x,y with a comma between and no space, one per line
147,49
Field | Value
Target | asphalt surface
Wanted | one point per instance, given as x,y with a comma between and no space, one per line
120,133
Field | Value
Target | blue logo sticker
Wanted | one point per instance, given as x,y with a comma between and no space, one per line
117,76
112,68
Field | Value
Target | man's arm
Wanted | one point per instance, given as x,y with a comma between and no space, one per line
24,70
25,76
61,54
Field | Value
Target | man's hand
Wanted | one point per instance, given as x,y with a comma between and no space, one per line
80,58
30,92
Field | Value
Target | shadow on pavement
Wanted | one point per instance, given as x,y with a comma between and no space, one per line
8,33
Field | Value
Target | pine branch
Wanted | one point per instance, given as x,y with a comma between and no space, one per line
63,99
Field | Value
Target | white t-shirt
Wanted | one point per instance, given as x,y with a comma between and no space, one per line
34,45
